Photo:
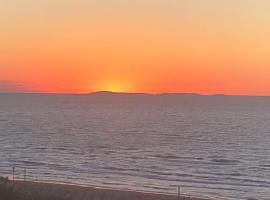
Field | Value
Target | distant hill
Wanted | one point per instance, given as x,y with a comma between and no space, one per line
108,93
117,93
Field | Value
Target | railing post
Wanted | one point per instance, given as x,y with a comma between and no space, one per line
13,174
24,175
179,195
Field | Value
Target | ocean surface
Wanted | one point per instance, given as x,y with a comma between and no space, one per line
209,145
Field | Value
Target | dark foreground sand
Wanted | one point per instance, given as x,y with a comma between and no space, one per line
70,192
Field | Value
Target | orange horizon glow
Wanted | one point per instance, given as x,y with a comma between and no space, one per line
154,46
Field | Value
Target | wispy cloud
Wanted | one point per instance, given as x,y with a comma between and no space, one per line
11,86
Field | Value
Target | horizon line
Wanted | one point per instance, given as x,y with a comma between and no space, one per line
136,93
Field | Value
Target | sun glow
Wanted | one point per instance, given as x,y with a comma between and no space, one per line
113,86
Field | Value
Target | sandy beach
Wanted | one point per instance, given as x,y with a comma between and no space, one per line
71,192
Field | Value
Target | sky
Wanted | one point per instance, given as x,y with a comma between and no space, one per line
153,46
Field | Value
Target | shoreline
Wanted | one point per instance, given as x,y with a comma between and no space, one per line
80,192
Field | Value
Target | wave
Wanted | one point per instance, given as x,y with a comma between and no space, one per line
225,161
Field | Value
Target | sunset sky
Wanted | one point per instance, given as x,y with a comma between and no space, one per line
155,46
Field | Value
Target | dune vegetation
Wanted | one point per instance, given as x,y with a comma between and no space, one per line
9,191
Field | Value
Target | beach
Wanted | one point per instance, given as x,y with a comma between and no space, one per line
73,192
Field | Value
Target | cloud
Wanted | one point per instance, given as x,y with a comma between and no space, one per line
11,86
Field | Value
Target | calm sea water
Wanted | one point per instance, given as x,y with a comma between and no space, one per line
211,146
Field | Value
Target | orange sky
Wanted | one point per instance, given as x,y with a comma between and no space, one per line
155,46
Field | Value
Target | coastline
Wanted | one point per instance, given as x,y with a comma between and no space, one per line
76,192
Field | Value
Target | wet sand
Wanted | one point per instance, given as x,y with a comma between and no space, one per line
71,192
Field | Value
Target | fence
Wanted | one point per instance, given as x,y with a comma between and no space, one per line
23,174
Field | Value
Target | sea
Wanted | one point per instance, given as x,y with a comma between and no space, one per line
209,146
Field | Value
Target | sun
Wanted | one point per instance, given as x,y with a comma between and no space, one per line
113,86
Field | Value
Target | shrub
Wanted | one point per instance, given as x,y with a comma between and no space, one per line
7,190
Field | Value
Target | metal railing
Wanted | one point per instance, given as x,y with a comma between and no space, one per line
23,174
